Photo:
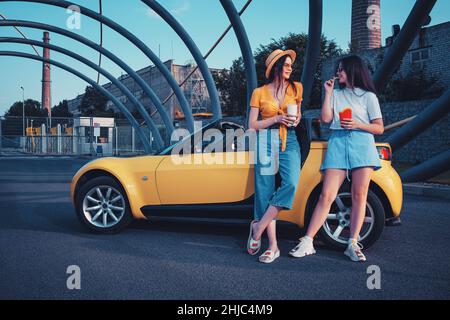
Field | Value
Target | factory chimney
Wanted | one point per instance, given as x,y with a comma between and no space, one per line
46,90
366,24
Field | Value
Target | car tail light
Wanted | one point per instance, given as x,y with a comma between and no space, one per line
385,153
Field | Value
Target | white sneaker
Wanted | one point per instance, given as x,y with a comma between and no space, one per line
353,251
304,248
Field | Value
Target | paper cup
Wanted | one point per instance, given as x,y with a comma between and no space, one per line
345,114
292,110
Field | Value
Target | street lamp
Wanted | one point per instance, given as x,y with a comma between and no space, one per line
23,110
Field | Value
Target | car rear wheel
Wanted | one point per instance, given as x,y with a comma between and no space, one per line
335,232
102,206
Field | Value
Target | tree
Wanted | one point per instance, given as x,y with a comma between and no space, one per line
353,47
13,124
62,110
232,85
93,104
32,109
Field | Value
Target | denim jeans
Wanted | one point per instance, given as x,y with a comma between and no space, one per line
270,160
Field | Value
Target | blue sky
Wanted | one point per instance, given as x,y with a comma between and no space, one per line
205,20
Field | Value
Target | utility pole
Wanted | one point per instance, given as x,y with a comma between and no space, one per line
23,110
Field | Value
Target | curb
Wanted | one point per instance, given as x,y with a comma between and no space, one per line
433,191
49,155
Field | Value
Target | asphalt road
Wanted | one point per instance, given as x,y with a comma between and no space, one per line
40,238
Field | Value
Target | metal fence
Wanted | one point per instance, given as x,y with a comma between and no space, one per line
94,136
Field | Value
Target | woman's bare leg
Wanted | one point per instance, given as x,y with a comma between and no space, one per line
260,226
331,184
272,235
360,188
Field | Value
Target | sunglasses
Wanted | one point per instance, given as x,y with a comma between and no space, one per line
340,69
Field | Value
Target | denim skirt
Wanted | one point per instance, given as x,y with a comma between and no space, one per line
350,149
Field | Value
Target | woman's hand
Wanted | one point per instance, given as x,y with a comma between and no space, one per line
349,124
284,119
329,85
297,121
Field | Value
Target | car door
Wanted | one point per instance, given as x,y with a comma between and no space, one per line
211,176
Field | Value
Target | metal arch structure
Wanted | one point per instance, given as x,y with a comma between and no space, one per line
196,54
246,50
400,46
436,111
133,39
2,16
421,10
105,73
237,26
94,84
428,169
149,91
313,47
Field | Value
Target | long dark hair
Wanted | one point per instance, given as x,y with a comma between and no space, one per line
277,71
358,75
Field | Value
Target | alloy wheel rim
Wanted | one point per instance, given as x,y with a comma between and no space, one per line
337,224
103,206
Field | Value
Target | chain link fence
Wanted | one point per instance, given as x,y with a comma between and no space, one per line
93,136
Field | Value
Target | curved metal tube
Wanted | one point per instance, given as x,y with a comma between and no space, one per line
94,84
428,169
425,119
138,43
116,82
246,50
198,57
405,38
150,93
313,48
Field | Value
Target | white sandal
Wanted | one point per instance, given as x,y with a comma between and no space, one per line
253,246
269,256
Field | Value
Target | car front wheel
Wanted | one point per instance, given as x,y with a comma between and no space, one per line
102,206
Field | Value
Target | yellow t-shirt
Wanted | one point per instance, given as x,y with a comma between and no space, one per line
268,106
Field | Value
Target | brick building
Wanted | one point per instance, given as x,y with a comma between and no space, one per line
429,51
194,89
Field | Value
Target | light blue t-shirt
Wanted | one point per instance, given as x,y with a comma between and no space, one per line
364,104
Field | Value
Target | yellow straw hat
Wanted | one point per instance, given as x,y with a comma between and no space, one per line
275,56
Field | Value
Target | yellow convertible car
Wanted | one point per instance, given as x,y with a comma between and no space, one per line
109,192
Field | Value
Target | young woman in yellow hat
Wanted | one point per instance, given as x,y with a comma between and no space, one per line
278,149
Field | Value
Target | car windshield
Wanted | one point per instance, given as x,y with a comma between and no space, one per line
166,150
312,127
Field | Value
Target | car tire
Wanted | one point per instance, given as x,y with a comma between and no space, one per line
102,206
339,216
